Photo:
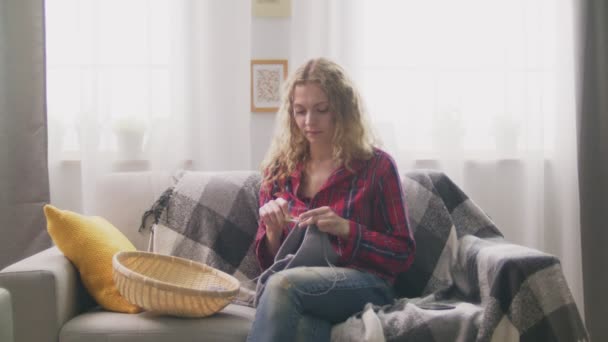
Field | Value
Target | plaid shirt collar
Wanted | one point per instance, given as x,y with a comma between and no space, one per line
338,175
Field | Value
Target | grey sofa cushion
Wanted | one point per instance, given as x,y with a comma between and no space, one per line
231,324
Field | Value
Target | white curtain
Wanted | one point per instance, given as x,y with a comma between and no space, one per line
144,85
483,90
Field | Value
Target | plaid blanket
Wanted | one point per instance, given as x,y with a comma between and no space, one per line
466,284
211,218
494,290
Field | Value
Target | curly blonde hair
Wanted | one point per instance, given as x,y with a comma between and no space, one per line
352,140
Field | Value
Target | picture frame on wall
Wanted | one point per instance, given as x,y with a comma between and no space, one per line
271,8
267,76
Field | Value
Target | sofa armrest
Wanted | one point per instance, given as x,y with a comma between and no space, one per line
45,292
6,316
525,284
503,267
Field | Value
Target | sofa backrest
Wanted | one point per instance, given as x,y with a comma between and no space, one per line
122,198
434,202
440,215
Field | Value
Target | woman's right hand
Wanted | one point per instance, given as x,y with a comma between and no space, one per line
274,214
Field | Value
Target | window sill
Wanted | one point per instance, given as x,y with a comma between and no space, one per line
72,158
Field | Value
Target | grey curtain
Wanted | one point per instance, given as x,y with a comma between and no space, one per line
593,161
24,185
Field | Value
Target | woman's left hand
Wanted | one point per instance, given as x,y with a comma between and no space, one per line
326,220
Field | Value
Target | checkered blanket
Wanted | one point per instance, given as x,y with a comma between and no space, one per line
494,290
211,218
491,290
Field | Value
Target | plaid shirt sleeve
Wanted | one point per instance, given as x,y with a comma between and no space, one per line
386,247
265,258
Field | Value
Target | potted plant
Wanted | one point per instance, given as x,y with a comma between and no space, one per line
129,131
507,132
448,130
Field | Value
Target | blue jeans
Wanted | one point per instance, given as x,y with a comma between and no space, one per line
302,303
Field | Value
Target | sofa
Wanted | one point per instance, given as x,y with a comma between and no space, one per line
494,290
6,316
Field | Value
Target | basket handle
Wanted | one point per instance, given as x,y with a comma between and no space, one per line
151,241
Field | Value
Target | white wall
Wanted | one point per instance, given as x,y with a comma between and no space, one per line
269,40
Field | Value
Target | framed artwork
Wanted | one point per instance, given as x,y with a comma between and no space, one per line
267,76
271,8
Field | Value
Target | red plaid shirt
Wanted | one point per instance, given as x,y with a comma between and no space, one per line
371,198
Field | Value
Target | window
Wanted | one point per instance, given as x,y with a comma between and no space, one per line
474,76
111,66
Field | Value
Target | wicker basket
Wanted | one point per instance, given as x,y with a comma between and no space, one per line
171,285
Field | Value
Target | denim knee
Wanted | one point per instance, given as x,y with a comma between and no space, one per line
278,283
279,292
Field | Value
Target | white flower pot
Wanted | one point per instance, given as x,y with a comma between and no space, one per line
130,144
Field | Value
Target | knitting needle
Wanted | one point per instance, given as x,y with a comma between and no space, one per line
293,219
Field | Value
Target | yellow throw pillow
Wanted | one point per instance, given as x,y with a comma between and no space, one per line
90,242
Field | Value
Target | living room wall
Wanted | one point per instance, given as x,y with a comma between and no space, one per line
269,40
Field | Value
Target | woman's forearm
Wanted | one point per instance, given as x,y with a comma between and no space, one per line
273,242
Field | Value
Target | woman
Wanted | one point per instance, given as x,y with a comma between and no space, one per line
323,170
